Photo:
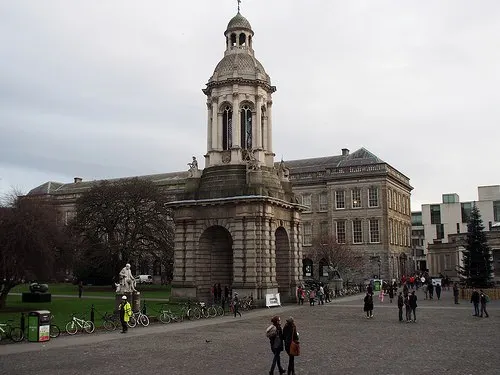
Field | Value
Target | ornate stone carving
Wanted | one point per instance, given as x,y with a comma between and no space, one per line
283,171
193,168
226,156
251,160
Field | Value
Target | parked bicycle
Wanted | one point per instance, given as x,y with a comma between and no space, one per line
8,331
168,316
75,324
207,311
54,329
138,317
190,311
110,321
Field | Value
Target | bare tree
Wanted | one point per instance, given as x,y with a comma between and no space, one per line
31,242
121,221
325,250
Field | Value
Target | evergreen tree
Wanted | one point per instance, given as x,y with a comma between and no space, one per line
477,263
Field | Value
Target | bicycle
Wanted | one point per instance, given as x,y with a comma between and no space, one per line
54,329
109,321
207,311
14,333
138,317
77,323
168,316
190,312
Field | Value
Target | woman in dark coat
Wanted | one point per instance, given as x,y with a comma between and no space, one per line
289,334
276,342
368,307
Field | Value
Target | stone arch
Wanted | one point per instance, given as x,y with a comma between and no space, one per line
283,261
225,104
214,260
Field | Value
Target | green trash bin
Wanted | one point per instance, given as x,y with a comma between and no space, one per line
39,326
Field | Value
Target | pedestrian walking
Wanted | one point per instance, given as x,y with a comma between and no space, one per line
400,306
430,288
125,311
391,293
483,298
455,293
312,297
276,342
369,289
290,334
438,291
321,294
412,299
301,294
426,290
368,305
80,289
474,299
381,295
407,309
236,304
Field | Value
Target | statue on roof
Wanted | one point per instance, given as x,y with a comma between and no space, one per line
283,171
193,168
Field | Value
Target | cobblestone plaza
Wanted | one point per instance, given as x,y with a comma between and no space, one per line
335,339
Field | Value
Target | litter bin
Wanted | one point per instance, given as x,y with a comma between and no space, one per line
39,326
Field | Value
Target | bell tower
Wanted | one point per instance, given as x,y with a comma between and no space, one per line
238,224
239,103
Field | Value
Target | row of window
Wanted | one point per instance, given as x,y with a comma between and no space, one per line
398,202
356,227
356,199
399,233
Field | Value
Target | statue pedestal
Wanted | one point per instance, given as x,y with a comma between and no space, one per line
133,298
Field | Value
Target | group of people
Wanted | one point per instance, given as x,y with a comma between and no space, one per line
319,293
476,298
281,339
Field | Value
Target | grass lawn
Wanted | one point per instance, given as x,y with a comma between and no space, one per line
63,307
147,291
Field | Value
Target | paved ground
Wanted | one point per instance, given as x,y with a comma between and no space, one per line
335,339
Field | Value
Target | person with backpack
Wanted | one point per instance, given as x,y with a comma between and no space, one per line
368,305
290,334
484,299
275,335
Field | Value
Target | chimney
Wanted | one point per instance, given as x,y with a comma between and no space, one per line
345,151
77,180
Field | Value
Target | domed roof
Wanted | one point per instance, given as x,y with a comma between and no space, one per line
244,64
238,22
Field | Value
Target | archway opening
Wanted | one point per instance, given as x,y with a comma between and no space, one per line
214,261
283,267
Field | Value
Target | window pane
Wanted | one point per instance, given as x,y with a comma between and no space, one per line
435,214
496,211
307,237
374,231
356,198
372,197
323,202
340,199
341,231
357,231
306,201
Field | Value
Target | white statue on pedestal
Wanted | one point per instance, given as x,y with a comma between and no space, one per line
127,281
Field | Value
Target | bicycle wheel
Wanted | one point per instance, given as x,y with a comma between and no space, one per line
212,312
144,320
204,313
220,310
164,317
194,313
88,326
109,325
132,322
16,334
71,328
54,331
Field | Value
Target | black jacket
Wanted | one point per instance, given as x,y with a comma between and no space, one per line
277,341
475,297
288,331
412,300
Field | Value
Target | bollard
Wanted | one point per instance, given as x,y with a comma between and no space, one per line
22,324
144,307
92,312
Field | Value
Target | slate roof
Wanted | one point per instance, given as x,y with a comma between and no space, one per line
238,22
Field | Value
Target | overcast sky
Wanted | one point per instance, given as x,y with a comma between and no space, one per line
101,89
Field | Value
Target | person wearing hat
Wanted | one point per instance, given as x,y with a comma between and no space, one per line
125,311
290,334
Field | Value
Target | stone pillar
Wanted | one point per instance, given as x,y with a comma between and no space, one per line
264,129
219,131
254,130
270,126
236,120
258,123
239,242
209,126
214,123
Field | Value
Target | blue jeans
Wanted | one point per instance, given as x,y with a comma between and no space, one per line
276,361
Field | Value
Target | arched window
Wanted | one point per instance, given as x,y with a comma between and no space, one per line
233,40
307,267
227,128
246,127
243,39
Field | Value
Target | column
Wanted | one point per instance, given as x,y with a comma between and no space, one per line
209,126
264,129
258,143
236,120
219,131
214,123
270,126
